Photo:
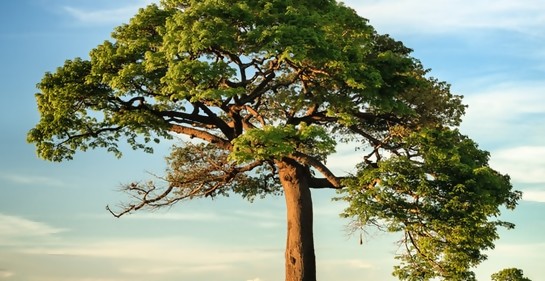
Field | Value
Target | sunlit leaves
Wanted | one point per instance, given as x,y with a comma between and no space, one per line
509,274
275,142
440,193
199,80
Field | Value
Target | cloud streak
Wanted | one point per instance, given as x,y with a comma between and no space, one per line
167,251
507,101
18,227
438,16
349,263
164,256
5,274
170,216
534,196
31,180
525,164
105,16
506,114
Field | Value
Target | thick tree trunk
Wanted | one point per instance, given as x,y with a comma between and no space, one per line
300,258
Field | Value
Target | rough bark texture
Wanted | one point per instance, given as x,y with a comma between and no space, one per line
300,258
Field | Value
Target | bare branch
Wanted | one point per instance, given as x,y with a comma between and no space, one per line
318,183
144,201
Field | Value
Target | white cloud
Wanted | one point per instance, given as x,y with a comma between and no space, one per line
31,180
525,164
435,16
169,251
350,263
105,16
519,250
506,113
17,227
345,159
534,195
155,270
5,274
262,219
359,264
528,256
507,101
255,279
163,257
176,216
259,215
57,278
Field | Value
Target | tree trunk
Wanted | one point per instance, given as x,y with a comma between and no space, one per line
300,258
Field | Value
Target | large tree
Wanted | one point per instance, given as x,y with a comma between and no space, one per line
267,90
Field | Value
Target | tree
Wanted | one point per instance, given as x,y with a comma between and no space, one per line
509,274
269,89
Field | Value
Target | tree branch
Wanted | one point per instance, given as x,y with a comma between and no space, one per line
334,181
203,135
221,124
319,183
312,117
90,133
200,184
144,201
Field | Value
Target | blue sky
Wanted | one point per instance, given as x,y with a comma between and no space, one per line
53,225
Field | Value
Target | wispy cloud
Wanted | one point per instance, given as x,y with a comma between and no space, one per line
255,279
438,16
534,195
155,257
31,180
6,274
345,159
57,278
507,100
519,250
525,164
167,251
155,270
506,113
350,263
15,226
176,216
106,16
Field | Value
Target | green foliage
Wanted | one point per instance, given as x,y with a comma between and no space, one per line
509,274
167,58
439,191
80,104
276,142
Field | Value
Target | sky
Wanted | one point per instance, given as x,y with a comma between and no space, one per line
53,222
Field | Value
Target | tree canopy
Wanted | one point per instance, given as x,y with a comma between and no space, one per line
509,274
261,86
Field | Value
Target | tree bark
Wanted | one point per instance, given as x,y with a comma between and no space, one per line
300,257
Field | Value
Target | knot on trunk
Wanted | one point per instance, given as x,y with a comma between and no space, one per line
293,260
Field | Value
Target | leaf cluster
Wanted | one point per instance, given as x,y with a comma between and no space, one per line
276,142
440,193
509,274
